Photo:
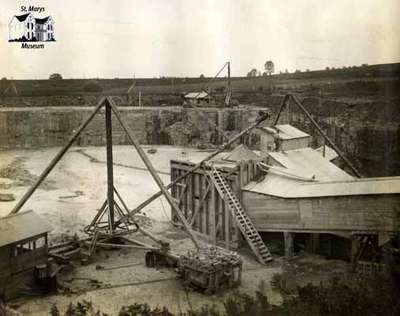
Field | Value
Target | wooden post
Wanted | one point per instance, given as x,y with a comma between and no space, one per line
200,164
315,243
288,244
355,249
213,211
204,211
237,189
227,227
154,173
110,175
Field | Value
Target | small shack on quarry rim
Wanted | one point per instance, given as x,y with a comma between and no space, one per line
23,247
200,98
289,189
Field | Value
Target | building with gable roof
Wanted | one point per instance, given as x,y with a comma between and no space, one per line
26,28
290,190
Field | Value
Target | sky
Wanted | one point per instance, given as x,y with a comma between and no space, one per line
152,38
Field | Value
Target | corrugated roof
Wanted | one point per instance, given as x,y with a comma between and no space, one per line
330,153
307,162
196,95
20,226
279,186
285,131
241,153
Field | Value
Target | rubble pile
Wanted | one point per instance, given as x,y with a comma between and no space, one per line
210,269
210,259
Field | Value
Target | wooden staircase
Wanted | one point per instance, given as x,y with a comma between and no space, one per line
244,223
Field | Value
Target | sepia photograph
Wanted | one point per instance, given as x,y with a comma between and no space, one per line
199,158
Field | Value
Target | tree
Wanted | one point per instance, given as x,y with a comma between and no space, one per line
269,67
252,73
201,76
55,76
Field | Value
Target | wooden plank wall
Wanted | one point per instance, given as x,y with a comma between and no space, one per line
204,208
362,213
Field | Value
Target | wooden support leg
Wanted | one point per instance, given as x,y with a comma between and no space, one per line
312,243
315,243
355,250
288,244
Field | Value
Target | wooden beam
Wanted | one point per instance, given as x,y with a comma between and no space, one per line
283,105
204,214
200,205
319,129
289,251
184,189
153,172
225,209
57,158
220,213
224,146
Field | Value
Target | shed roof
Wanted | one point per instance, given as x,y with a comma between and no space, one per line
307,162
21,226
285,131
241,153
330,153
279,186
197,95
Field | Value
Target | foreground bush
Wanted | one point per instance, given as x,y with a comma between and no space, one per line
367,297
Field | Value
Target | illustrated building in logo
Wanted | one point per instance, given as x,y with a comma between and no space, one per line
27,28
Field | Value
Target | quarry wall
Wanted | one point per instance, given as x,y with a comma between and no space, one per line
366,129
35,127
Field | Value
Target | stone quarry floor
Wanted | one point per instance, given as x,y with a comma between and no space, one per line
69,198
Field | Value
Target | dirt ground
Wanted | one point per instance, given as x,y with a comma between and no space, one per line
69,198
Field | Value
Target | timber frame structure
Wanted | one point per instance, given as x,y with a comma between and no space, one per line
207,212
219,219
119,219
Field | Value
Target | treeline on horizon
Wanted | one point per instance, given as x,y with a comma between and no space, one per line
63,86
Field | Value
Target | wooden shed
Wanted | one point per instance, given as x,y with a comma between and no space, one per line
200,202
283,137
23,246
201,98
291,190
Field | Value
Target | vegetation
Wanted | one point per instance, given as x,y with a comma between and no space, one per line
252,73
363,297
55,76
158,86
